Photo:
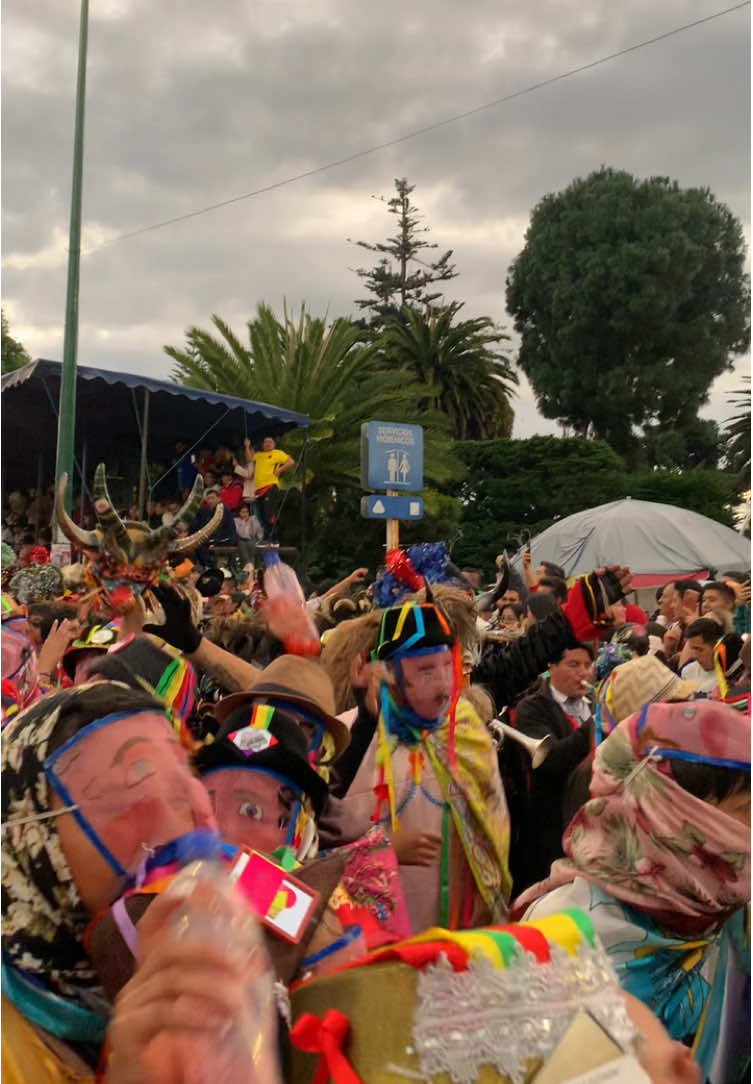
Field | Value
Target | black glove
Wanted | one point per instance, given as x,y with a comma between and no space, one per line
178,629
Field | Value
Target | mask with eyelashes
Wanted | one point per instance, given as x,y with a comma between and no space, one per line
128,777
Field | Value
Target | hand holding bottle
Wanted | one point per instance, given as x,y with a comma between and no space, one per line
285,608
200,1006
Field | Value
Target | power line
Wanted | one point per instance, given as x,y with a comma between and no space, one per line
419,131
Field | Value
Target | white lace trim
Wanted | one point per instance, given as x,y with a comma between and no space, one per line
503,1018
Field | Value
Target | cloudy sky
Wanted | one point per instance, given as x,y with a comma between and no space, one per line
190,103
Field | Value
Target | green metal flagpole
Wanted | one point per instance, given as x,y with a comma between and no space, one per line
67,401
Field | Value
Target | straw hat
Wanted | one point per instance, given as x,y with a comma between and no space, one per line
299,682
641,681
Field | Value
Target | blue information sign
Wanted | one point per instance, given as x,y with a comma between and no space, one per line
378,507
392,456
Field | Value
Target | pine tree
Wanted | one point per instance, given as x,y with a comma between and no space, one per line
402,277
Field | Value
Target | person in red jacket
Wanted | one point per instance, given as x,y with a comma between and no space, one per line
231,493
625,613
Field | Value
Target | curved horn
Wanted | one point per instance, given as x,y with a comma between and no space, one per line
107,517
75,534
187,513
191,507
193,541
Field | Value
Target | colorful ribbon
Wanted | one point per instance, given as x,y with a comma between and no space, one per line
444,869
501,944
325,1037
720,666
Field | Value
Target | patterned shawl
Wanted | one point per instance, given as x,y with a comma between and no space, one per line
473,790
43,917
642,837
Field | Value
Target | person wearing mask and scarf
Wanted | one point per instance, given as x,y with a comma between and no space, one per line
422,764
93,779
26,675
659,858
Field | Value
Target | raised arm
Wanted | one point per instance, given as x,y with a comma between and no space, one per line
508,670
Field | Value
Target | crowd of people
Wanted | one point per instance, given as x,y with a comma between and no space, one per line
453,763
247,484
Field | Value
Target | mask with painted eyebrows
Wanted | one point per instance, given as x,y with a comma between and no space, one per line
426,681
129,779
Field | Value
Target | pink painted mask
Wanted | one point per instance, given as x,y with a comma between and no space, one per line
128,778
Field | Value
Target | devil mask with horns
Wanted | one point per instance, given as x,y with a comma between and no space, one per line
127,557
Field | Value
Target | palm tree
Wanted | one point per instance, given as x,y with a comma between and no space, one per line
331,373
738,433
468,377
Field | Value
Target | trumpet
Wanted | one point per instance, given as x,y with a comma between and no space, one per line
537,748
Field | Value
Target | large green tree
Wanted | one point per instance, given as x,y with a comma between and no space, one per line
517,488
466,373
697,443
333,374
13,354
630,297
404,273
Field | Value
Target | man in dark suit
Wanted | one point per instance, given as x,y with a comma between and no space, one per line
560,708
224,534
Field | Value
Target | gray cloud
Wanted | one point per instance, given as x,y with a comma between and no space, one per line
189,104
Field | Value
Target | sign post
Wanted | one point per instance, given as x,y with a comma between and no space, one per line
393,527
392,460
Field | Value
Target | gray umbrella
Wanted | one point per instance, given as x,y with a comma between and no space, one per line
655,540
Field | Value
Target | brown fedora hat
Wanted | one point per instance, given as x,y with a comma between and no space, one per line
299,682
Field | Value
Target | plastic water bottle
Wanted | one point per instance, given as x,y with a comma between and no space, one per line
286,611
212,911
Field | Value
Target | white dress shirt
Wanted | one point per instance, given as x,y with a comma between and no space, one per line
577,707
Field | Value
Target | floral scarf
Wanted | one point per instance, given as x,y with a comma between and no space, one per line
43,917
642,837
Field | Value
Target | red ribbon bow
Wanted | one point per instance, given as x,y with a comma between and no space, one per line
325,1037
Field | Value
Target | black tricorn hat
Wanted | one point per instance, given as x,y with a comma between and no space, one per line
278,746
411,627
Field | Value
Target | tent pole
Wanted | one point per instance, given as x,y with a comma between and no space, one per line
40,483
142,468
84,468
67,401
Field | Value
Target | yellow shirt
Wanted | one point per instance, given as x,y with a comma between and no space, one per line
26,1059
264,467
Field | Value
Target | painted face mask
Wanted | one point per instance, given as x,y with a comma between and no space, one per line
128,778
416,643
426,681
259,809
19,660
126,558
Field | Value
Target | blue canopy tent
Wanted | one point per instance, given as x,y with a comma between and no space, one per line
121,419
